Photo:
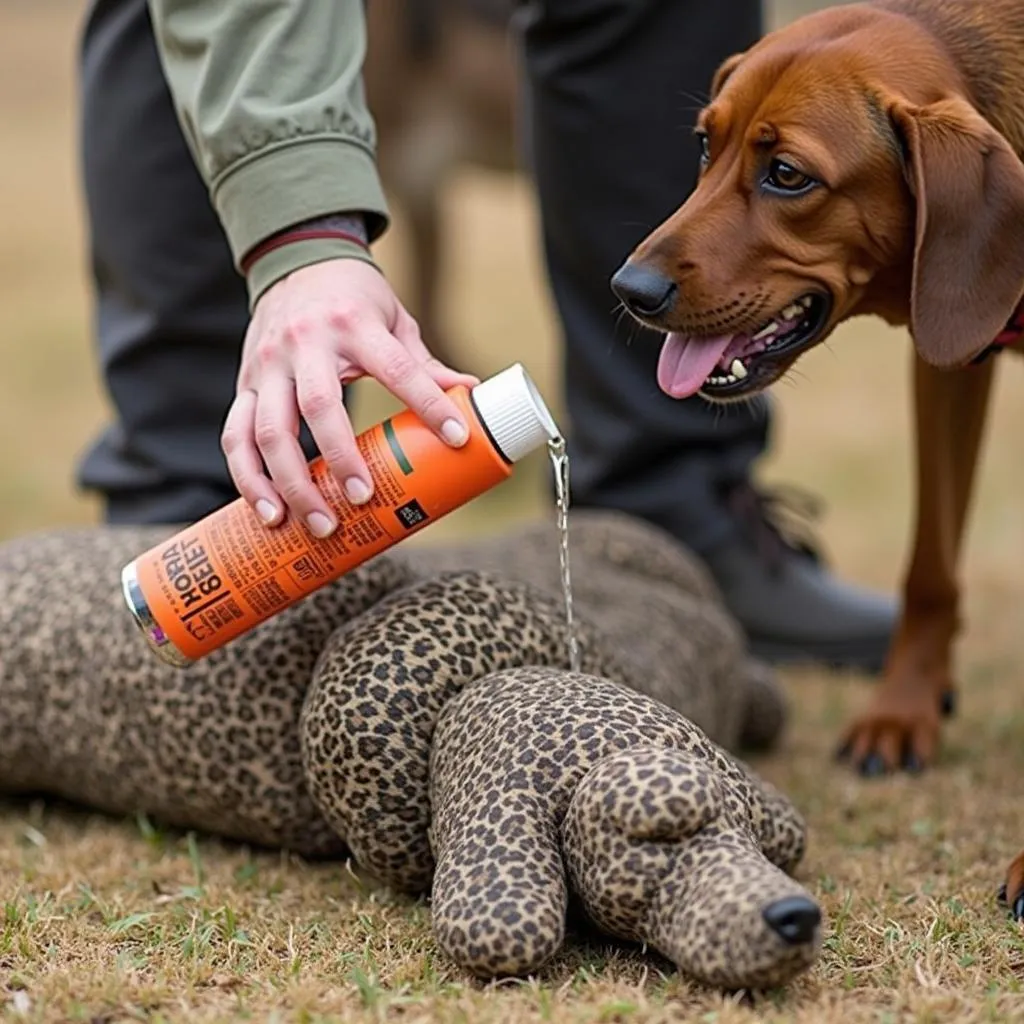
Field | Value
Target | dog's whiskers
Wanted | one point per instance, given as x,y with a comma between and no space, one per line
703,99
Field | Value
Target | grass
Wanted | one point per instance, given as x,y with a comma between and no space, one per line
107,920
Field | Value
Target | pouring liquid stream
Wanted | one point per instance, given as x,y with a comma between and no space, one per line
560,465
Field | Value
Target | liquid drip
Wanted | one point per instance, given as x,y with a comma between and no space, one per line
560,465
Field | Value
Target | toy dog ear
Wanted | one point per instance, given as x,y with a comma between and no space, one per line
662,795
968,273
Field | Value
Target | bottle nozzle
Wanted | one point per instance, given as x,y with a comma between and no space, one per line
513,413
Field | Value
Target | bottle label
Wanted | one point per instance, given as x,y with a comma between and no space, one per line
228,572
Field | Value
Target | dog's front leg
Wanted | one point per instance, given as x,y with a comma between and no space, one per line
1011,892
900,727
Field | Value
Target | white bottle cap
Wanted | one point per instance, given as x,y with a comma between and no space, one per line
513,413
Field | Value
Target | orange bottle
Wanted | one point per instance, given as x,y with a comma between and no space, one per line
225,574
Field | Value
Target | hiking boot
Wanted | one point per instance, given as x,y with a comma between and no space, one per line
775,583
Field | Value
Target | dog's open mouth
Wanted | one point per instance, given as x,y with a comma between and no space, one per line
739,364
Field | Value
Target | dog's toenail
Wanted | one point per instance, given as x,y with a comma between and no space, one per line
872,766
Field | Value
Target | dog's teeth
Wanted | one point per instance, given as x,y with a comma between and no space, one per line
738,370
766,332
806,301
792,312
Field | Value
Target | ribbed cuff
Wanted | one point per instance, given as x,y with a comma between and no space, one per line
281,262
296,181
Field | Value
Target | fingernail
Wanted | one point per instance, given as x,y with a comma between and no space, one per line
319,524
266,510
356,490
454,432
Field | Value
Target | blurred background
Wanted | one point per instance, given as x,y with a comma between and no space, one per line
842,423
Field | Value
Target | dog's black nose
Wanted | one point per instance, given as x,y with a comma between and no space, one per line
644,291
795,918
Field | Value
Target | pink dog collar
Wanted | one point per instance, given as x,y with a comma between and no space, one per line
1009,335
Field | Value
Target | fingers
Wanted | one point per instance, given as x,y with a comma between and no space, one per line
445,377
407,375
238,441
332,321
276,428
321,404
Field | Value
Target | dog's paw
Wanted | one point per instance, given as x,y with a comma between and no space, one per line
898,731
1011,892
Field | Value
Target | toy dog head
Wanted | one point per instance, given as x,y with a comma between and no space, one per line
660,850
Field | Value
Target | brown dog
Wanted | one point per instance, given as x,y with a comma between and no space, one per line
866,159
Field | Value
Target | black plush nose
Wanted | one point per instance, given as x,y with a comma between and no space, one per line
644,291
795,918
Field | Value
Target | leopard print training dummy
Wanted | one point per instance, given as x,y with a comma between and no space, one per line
343,724
663,838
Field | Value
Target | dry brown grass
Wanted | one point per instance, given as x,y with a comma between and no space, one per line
107,920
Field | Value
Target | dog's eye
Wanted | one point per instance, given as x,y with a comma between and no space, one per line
783,177
705,147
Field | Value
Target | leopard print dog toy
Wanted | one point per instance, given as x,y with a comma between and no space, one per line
367,718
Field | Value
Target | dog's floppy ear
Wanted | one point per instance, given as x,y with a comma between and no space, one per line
725,69
968,186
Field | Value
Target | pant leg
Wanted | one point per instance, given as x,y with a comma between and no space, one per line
170,309
612,88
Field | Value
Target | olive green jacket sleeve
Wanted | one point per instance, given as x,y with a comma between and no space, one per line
270,97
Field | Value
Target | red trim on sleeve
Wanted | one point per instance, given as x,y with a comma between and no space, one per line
283,238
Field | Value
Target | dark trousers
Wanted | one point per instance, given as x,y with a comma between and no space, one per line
610,91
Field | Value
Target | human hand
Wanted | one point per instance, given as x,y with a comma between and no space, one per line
320,327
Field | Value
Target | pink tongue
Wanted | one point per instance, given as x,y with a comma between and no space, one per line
685,363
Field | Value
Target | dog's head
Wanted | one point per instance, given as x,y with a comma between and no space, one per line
843,172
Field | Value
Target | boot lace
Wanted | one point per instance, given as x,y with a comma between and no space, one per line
778,520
